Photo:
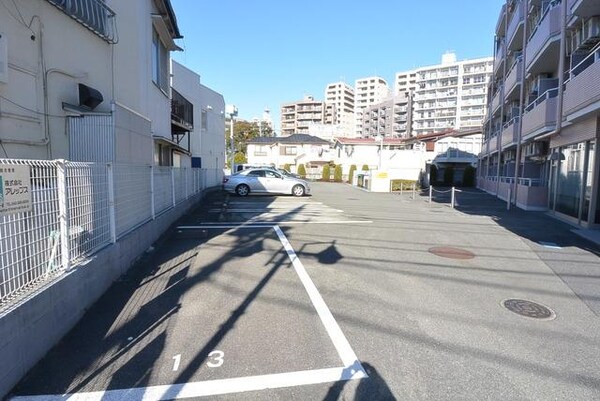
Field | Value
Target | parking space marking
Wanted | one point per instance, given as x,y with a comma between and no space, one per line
205,388
257,223
333,329
351,370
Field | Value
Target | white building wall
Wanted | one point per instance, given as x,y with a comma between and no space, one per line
72,54
207,140
271,154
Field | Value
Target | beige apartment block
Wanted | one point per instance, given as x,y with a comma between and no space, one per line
341,95
367,92
541,132
297,117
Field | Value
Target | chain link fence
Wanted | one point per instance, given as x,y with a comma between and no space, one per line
79,208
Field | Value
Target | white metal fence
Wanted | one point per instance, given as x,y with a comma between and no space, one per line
79,208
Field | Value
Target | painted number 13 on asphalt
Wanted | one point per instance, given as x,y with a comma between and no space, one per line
216,360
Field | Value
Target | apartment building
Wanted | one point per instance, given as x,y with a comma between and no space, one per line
198,112
341,95
108,101
297,117
541,134
450,95
390,118
405,82
367,92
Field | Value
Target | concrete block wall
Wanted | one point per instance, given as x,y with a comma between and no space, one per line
29,330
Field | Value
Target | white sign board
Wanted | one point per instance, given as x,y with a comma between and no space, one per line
15,189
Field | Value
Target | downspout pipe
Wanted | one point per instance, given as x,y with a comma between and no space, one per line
502,102
521,99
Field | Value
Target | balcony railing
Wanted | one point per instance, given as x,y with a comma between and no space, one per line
182,111
514,33
581,89
95,15
547,30
515,77
550,93
540,115
509,132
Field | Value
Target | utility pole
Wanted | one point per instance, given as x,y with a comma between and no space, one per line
232,112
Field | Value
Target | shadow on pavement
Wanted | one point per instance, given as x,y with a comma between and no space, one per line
372,388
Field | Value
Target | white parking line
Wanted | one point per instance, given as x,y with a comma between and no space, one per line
333,329
205,388
256,223
351,370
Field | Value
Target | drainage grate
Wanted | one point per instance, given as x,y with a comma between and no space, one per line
529,309
452,253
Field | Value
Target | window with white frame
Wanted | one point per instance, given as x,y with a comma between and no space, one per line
289,150
160,63
260,150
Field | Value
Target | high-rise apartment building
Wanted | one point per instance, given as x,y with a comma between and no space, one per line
542,131
367,92
389,118
405,82
296,117
341,95
450,95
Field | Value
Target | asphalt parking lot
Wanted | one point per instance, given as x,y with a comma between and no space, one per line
340,295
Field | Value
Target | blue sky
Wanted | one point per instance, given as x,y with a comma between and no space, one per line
261,53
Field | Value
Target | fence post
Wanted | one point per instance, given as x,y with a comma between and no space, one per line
63,213
414,190
152,206
401,188
186,175
430,192
453,198
508,198
173,186
111,203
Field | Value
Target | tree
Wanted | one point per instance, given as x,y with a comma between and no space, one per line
302,171
244,131
365,167
326,174
449,175
286,167
351,173
240,158
337,173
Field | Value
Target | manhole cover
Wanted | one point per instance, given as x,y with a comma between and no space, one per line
529,309
452,253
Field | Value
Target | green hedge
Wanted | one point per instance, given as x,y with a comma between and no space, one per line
302,171
351,173
337,173
326,174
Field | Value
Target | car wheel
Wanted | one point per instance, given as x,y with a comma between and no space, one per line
242,190
298,190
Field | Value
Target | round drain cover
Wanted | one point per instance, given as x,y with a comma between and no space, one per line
529,309
452,253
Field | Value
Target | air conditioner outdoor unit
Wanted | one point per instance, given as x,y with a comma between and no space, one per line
509,155
586,36
535,149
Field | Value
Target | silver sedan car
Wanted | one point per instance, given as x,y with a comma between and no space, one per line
264,181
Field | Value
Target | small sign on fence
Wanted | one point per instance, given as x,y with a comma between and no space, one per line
15,189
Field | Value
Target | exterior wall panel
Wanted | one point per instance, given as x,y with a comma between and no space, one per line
91,139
